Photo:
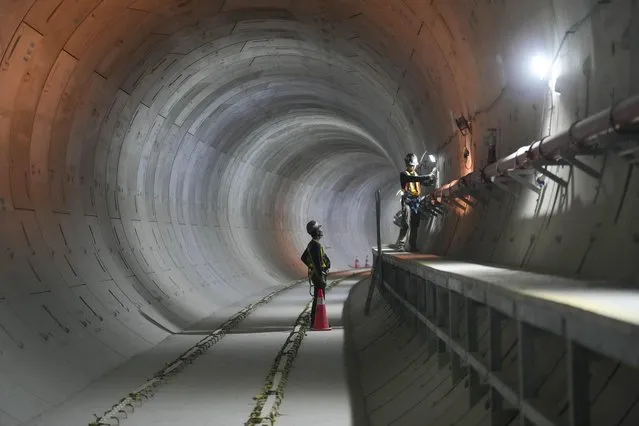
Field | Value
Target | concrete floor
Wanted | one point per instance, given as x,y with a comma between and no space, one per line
104,392
317,392
218,388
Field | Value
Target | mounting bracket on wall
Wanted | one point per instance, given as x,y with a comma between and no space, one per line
480,194
501,183
456,203
614,130
541,167
519,177
432,209
438,210
628,150
623,141
466,200
432,212
574,162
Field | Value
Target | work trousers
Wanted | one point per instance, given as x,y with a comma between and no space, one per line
414,226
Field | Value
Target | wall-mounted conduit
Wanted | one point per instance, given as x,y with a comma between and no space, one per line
615,129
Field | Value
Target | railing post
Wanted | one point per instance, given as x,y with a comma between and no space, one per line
475,390
498,415
430,314
527,373
454,332
441,314
578,368
422,328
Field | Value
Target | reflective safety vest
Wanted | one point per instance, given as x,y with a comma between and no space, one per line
412,189
308,260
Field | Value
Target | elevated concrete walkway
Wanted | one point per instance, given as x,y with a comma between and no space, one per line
449,342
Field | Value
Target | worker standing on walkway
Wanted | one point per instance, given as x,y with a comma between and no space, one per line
316,260
411,184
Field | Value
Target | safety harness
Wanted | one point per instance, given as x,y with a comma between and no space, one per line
413,203
307,259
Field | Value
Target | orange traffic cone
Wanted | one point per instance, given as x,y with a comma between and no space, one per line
366,265
320,322
356,263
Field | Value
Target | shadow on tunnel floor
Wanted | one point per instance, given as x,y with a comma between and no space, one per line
359,415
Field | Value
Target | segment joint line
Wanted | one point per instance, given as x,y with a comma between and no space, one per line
145,391
268,401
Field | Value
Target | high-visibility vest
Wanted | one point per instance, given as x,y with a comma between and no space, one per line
413,189
307,259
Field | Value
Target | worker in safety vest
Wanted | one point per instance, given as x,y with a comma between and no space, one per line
316,260
411,184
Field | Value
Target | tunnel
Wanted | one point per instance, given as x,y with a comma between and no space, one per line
160,160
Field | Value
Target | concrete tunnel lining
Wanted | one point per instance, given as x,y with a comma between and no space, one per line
126,173
149,148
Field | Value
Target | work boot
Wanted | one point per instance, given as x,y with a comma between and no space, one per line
397,246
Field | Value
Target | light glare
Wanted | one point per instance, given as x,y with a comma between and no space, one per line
432,158
539,66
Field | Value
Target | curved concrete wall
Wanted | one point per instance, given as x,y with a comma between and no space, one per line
159,159
588,228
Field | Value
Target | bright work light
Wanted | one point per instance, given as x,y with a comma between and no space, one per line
540,66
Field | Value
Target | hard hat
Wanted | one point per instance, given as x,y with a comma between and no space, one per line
411,160
312,227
